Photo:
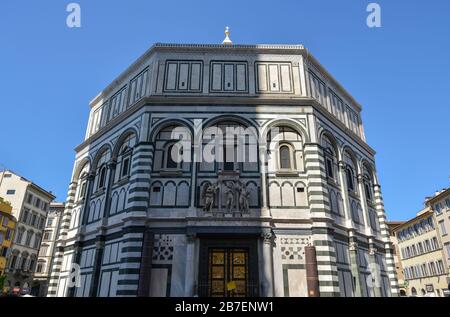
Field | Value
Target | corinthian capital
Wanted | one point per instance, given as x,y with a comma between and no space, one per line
267,237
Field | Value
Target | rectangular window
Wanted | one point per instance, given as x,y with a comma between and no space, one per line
420,247
330,168
432,268
447,248
442,227
47,235
41,222
33,220
49,222
437,208
25,214
82,191
138,87
117,103
427,246
9,233
125,166
414,250
435,243
440,267
96,119
10,192
37,203
424,270
43,251
30,199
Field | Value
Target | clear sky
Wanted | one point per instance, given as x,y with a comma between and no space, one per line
400,73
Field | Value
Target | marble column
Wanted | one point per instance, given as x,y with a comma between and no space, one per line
375,271
354,267
99,248
189,284
267,289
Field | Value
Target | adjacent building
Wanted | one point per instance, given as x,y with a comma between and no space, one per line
422,257
224,170
7,227
30,205
440,204
46,251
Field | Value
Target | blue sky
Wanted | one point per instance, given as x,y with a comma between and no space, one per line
400,73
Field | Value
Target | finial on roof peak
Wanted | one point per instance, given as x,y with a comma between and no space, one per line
227,40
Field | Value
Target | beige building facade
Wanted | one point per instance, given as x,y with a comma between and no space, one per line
30,205
422,257
440,204
46,251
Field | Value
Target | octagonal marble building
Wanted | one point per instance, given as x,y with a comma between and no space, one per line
303,217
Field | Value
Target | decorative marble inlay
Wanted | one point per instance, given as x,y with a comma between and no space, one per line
292,253
292,249
162,249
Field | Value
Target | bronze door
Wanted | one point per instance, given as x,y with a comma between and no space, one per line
228,272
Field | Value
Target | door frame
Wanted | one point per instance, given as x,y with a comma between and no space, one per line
244,242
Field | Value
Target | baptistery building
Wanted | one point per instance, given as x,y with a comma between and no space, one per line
224,170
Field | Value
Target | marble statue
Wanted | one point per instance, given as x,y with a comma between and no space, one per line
231,187
208,195
244,198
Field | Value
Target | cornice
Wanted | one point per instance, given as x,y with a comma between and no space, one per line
438,197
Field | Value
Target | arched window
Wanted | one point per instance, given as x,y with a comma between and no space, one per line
285,157
40,267
172,149
37,241
82,182
368,190
102,177
367,181
330,158
171,156
287,146
32,263
349,176
350,171
13,262
125,168
101,170
124,158
30,234
19,236
83,189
